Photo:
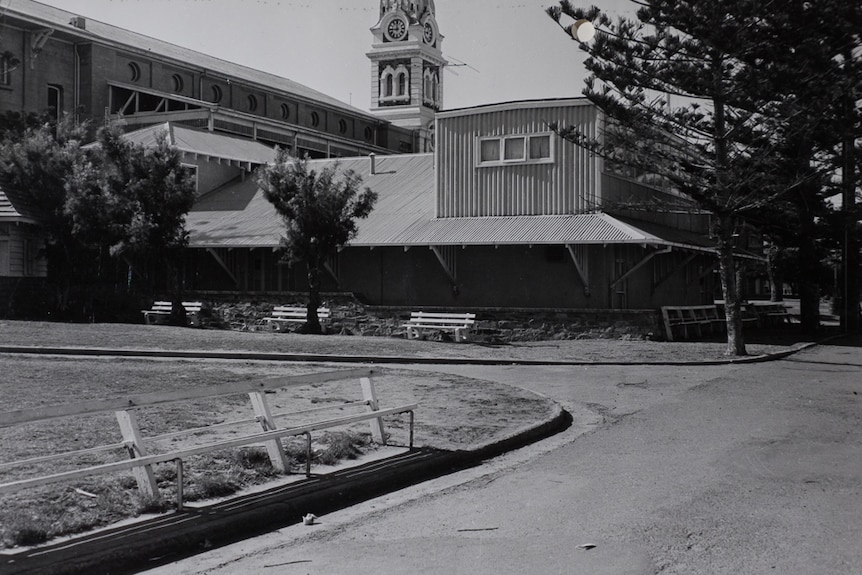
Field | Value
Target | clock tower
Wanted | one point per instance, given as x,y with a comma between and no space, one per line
407,66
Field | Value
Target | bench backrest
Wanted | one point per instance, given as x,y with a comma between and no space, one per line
465,319
287,311
190,306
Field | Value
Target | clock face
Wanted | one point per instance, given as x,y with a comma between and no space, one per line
396,29
428,33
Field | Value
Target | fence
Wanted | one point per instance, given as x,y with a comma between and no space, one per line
141,463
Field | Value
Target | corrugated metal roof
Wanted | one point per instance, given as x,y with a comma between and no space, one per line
238,214
235,216
60,19
558,229
205,143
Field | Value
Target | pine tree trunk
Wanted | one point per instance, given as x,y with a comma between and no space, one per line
729,287
809,266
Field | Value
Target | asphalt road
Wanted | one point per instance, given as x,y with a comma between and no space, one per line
732,469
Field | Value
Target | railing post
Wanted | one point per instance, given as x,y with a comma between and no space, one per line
370,396
144,475
273,447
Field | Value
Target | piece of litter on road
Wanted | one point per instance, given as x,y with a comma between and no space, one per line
309,519
586,546
479,529
85,493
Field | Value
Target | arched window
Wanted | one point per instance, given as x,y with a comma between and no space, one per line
402,84
215,94
386,82
252,103
285,111
395,83
427,88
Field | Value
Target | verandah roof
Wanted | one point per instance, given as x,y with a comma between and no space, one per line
239,216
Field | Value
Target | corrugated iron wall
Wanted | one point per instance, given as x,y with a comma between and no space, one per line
569,185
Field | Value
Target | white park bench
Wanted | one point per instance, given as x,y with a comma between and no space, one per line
285,314
459,323
161,312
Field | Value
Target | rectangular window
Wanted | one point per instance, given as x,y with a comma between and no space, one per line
514,149
55,101
490,150
528,149
5,70
540,147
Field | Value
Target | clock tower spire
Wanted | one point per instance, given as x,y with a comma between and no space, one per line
407,66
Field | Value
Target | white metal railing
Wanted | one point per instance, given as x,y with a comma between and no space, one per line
141,463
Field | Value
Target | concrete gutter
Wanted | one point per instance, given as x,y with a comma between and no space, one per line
374,359
170,537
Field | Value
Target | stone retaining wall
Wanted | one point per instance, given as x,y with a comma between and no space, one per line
350,317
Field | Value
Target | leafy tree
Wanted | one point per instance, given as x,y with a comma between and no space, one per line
101,205
37,161
129,202
717,142
320,210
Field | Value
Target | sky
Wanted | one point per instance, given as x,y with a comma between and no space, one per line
498,51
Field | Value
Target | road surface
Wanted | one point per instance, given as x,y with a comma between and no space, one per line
731,469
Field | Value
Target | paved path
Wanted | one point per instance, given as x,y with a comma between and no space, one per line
729,469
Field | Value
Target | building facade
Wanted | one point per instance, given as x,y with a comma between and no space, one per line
502,213
59,62
478,207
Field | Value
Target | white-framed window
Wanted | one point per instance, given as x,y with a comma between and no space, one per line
516,149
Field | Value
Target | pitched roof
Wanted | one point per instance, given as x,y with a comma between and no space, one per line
239,216
204,143
60,19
